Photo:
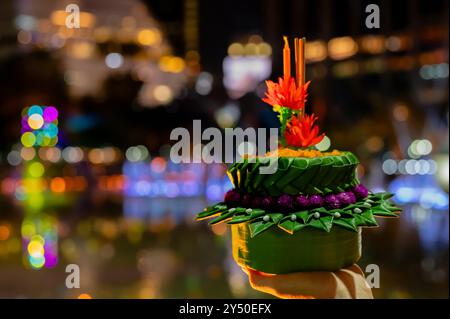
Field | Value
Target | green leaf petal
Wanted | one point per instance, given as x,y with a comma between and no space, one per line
222,218
347,223
369,219
303,215
239,219
211,211
259,226
288,225
276,217
383,213
324,223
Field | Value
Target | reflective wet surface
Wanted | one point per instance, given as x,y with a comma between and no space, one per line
135,247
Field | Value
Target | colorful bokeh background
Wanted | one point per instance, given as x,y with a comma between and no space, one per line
86,116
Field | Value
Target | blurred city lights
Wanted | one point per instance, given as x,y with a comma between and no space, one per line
345,69
315,51
389,166
171,64
27,153
419,148
5,232
57,185
39,126
14,158
35,121
228,116
158,165
373,44
28,139
114,60
374,144
137,153
434,71
36,169
72,154
236,49
342,48
400,112
163,94
148,36
204,83
442,171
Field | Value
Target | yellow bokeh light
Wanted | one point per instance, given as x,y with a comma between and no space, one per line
342,48
315,51
148,36
28,139
82,50
61,17
39,239
163,94
236,49
171,64
28,229
264,49
35,249
36,169
176,65
250,49
35,121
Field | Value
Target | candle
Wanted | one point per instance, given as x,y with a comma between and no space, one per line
286,59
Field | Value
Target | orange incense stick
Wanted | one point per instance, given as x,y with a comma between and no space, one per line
286,59
301,62
296,60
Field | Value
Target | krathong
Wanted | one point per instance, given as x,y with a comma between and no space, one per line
309,213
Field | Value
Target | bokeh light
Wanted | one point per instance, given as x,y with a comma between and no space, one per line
35,121
36,169
50,114
28,139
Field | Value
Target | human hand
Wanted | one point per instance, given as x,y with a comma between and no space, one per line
348,282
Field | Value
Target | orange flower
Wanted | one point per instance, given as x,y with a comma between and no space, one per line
286,93
301,131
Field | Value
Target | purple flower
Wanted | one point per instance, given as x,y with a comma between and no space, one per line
346,198
232,197
315,201
246,200
285,202
351,196
257,202
360,191
267,202
301,201
332,201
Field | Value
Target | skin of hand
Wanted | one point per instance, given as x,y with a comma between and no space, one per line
346,283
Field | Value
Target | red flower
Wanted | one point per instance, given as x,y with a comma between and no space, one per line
301,131
286,93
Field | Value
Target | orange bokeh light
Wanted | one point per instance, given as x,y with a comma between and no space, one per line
58,185
4,232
